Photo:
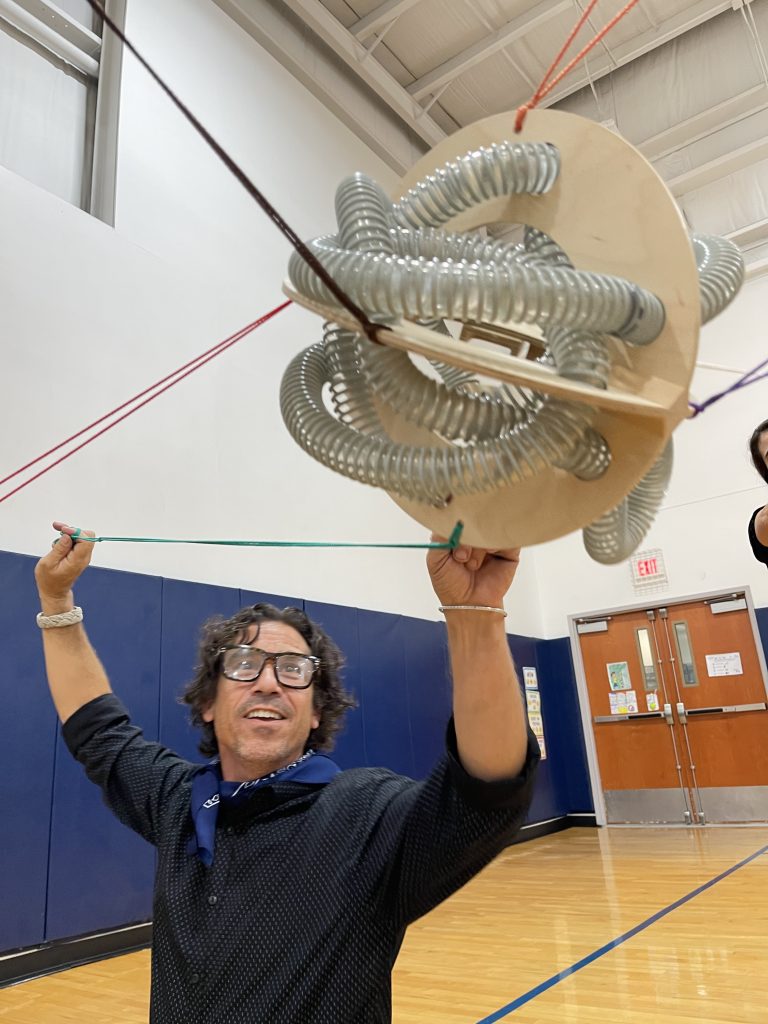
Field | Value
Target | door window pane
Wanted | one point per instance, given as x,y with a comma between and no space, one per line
647,664
687,667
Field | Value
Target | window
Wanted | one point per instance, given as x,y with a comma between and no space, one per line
687,666
647,664
58,99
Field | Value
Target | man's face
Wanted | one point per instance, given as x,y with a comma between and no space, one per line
252,747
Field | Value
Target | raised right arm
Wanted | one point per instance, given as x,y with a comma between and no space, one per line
75,674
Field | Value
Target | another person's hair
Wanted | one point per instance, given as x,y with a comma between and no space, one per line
331,701
754,450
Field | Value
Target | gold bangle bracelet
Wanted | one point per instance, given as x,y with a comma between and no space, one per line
472,608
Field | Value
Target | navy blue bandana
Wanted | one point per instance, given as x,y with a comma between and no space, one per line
209,790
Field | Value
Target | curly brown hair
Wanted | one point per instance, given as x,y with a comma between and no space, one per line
754,450
331,700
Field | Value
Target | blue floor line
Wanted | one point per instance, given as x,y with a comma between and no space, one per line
591,957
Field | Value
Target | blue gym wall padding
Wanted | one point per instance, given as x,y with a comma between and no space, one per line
69,868
186,606
341,624
548,798
428,689
562,725
26,759
100,873
384,686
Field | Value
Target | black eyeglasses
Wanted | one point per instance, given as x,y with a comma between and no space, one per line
245,664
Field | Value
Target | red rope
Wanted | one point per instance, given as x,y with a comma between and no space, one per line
174,378
546,86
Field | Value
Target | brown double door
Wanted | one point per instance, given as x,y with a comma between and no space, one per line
678,709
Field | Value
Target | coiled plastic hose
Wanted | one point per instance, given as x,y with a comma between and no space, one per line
395,261
615,535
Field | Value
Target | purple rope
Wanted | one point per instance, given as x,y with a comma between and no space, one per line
368,327
742,382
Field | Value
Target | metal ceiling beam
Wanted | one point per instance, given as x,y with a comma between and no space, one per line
752,239
750,235
484,48
353,53
380,17
600,65
719,168
705,123
757,269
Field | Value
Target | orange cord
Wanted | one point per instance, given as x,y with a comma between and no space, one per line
546,86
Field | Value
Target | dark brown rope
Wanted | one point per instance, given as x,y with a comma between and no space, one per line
369,328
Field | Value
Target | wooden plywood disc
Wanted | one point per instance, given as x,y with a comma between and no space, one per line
612,214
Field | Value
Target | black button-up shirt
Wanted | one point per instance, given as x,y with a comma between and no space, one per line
303,911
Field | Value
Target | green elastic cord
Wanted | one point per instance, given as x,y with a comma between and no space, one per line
449,545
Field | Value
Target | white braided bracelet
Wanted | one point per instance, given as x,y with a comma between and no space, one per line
471,608
69,618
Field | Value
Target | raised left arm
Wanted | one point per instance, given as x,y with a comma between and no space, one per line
491,727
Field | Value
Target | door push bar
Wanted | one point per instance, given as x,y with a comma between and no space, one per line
633,716
683,713
721,710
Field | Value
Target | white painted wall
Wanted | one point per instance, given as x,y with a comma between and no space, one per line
702,525
92,315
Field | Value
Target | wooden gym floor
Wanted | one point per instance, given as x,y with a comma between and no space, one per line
494,951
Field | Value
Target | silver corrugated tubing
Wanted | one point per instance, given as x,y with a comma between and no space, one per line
503,169
721,273
614,536
395,260
497,291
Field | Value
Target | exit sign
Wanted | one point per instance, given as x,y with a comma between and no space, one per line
648,569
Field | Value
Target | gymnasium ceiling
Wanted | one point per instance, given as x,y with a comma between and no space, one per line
686,81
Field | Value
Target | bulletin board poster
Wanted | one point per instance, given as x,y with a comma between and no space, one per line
537,728
533,700
618,675
533,707
623,703
530,679
724,664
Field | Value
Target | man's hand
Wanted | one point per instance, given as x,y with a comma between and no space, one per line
487,707
75,674
468,575
56,572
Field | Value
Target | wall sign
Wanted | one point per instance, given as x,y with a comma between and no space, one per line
623,703
724,664
618,675
648,570
533,707
530,679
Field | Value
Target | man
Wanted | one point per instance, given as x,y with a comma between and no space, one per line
284,886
